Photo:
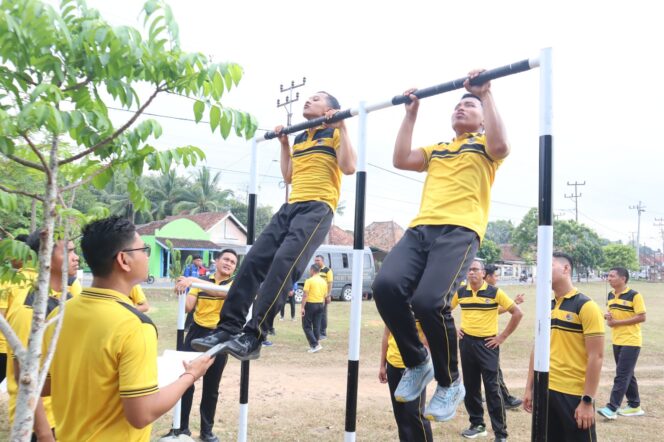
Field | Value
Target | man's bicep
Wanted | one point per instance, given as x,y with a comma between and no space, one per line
137,367
594,344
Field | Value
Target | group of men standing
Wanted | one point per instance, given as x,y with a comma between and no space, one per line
111,392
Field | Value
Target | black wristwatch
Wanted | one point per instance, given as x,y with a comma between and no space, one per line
588,400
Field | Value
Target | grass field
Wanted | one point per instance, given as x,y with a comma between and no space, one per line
296,396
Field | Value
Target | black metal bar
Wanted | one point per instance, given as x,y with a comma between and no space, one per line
545,210
351,395
540,407
360,204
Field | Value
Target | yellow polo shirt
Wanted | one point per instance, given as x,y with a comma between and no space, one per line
107,351
479,309
573,318
208,306
316,174
393,355
316,290
457,190
626,305
14,295
137,295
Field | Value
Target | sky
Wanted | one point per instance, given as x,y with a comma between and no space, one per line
607,99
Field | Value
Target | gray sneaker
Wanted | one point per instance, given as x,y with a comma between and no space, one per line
474,431
413,381
444,402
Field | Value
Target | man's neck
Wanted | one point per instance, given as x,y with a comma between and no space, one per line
112,282
221,276
619,289
477,286
563,288
56,281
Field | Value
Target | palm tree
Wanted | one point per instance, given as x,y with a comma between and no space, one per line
204,195
117,197
165,192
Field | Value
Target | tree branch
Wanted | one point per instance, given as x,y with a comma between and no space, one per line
13,340
77,85
71,186
26,163
115,134
42,160
20,192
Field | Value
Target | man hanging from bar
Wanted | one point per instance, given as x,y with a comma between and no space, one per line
421,273
281,253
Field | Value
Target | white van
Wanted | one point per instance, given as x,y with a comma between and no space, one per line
340,260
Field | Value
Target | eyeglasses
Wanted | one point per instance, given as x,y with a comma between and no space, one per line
474,269
145,249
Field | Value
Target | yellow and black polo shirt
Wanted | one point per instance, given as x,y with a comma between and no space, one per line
12,295
316,173
574,317
315,289
457,190
20,319
326,274
626,305
208,306
479,310
107,351
137,295
393,355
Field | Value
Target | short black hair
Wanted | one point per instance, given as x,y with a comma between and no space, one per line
33,240
490,269
321,257
218,255
622,272
315,268
566,257
331,100
471,96
103,240
196,257
21,237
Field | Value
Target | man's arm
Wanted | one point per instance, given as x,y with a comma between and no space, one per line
143,307
637,319
382,370
516,313
528,394
496,136
143,410
285,156
404,157
346,155
190,302
585,413
518,300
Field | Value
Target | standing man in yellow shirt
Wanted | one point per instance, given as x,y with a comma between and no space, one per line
280,255
103,377
577,352
409,416
422,272
315,290
626,313
327,274
207,306
480,349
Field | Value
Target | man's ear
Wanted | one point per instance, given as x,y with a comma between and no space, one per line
121,260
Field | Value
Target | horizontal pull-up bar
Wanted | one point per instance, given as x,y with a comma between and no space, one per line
210,287
503,71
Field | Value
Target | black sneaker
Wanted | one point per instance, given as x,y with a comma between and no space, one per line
209,437
245,347
512,403
206,343
474,431
175,432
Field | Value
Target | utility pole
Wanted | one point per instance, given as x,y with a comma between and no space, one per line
288,107
575,196
639,209
659,222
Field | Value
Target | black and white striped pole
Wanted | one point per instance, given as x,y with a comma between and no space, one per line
358,266
544,255
179,346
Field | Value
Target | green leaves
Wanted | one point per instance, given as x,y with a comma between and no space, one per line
199,108
7,201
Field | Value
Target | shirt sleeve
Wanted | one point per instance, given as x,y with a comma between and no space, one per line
137,366
307,285
330,276
592,320
336,139
427,151
137,295
455,301
194,292
638,304
503,300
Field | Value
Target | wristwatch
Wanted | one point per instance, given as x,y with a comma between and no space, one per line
587,399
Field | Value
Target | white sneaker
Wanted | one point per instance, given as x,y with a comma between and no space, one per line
315,349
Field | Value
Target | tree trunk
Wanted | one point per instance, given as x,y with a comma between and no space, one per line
29,388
